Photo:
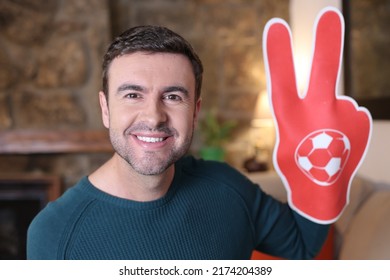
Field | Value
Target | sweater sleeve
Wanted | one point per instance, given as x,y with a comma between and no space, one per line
284,233
44,234
277,229
50,231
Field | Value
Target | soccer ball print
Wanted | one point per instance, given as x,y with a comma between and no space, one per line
322,155
321,136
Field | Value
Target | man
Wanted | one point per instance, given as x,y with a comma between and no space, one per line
150,201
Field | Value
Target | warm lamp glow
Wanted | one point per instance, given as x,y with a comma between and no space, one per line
302,17
302,68
262,115
302,43
262,136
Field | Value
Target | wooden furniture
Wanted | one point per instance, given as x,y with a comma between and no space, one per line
53,141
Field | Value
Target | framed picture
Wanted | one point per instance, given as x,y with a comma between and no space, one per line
367,54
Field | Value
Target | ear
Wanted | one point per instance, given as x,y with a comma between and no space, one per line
198,105
104,107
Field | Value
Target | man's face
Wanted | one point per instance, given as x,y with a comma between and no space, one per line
151,110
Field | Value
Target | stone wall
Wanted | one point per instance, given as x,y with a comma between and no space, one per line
369,49
51,51
50,57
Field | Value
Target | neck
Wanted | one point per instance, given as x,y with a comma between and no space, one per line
118,178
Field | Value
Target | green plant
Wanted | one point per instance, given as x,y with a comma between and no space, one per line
215,132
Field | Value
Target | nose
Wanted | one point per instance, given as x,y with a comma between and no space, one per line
154,113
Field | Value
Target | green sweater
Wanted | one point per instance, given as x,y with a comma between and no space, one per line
211,211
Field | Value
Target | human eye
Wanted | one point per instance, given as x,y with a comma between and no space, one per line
132,95
175,94
172,97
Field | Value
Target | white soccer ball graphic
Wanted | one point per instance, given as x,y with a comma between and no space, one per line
322,155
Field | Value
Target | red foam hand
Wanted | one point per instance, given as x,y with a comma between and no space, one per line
322,138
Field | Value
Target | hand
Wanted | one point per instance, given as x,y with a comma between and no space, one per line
321,137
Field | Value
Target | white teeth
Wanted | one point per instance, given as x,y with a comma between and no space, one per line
150,139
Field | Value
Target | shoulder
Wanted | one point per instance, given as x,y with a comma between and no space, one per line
50,227
221,176
234,188
210,169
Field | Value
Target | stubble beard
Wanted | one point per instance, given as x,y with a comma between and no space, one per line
151,163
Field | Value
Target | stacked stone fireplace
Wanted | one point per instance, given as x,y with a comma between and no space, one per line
51,132
50,75
50,127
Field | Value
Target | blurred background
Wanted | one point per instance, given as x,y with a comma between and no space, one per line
51,132
51,53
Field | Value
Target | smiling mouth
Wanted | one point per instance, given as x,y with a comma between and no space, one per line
151,139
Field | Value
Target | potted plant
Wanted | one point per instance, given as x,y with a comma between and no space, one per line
214,133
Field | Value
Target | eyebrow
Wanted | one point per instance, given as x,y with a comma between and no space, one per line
176,88
126,87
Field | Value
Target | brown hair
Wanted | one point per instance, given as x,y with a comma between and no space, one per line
152,39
